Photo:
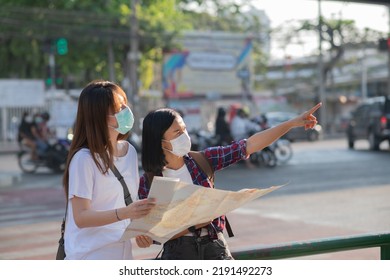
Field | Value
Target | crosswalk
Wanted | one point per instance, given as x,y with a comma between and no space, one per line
30,222
36,241
30,231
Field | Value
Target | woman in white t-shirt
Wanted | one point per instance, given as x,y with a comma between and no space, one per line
97,214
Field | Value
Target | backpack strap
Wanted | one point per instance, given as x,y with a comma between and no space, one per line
203,164
120,178
229,228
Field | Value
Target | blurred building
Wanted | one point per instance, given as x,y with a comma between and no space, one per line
212,69
361,73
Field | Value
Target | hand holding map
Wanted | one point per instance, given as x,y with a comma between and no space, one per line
180,205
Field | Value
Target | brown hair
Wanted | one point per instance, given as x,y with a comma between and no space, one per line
91,127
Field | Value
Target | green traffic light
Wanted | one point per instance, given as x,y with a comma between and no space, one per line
59,81
62,46
48,82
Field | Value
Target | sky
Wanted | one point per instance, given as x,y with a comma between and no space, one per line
280,11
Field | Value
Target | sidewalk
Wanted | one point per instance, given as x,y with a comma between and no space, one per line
8,178
311,216
262,222
8,147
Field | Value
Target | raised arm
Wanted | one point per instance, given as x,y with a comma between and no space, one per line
264,138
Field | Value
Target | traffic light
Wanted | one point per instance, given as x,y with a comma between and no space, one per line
62,46
47,46
384,44
59,79
48,77
57,76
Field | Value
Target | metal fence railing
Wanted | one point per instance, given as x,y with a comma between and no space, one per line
319,246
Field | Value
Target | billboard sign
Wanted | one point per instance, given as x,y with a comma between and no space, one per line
210,64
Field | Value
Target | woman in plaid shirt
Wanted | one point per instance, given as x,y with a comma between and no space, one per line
165,152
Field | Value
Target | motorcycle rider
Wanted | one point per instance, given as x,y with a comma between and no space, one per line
222,128
242,126
42,133
28,133
35,133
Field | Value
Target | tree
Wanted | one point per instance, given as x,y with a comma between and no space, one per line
91,28
337,34
97,34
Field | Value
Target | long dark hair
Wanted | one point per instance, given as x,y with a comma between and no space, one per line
154,126
91,127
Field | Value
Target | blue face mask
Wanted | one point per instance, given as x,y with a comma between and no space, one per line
125,120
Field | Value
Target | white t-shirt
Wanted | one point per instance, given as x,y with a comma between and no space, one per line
105,193
184,176
241,127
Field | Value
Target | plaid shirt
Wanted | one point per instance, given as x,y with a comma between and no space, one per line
219,157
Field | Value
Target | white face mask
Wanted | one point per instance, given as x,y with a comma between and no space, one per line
180,145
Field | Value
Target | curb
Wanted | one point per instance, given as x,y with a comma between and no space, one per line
9,152
9,147
9,179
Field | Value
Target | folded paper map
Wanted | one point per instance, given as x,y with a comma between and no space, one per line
180,205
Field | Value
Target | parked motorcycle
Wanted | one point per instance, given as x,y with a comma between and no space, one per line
265,157
201,139
54,157
279,152
283,150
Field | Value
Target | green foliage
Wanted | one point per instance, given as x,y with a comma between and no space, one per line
29,30
336,35
338,32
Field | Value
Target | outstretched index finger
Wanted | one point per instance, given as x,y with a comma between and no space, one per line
315,108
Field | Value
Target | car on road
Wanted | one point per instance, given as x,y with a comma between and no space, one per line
370,121
295,134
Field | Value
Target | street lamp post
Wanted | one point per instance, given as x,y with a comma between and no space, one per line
133,57
321,91
52,67
364,74
388,59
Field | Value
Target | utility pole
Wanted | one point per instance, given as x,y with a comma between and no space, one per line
133,57
52,67
111,61
364,74
388,58
321,82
